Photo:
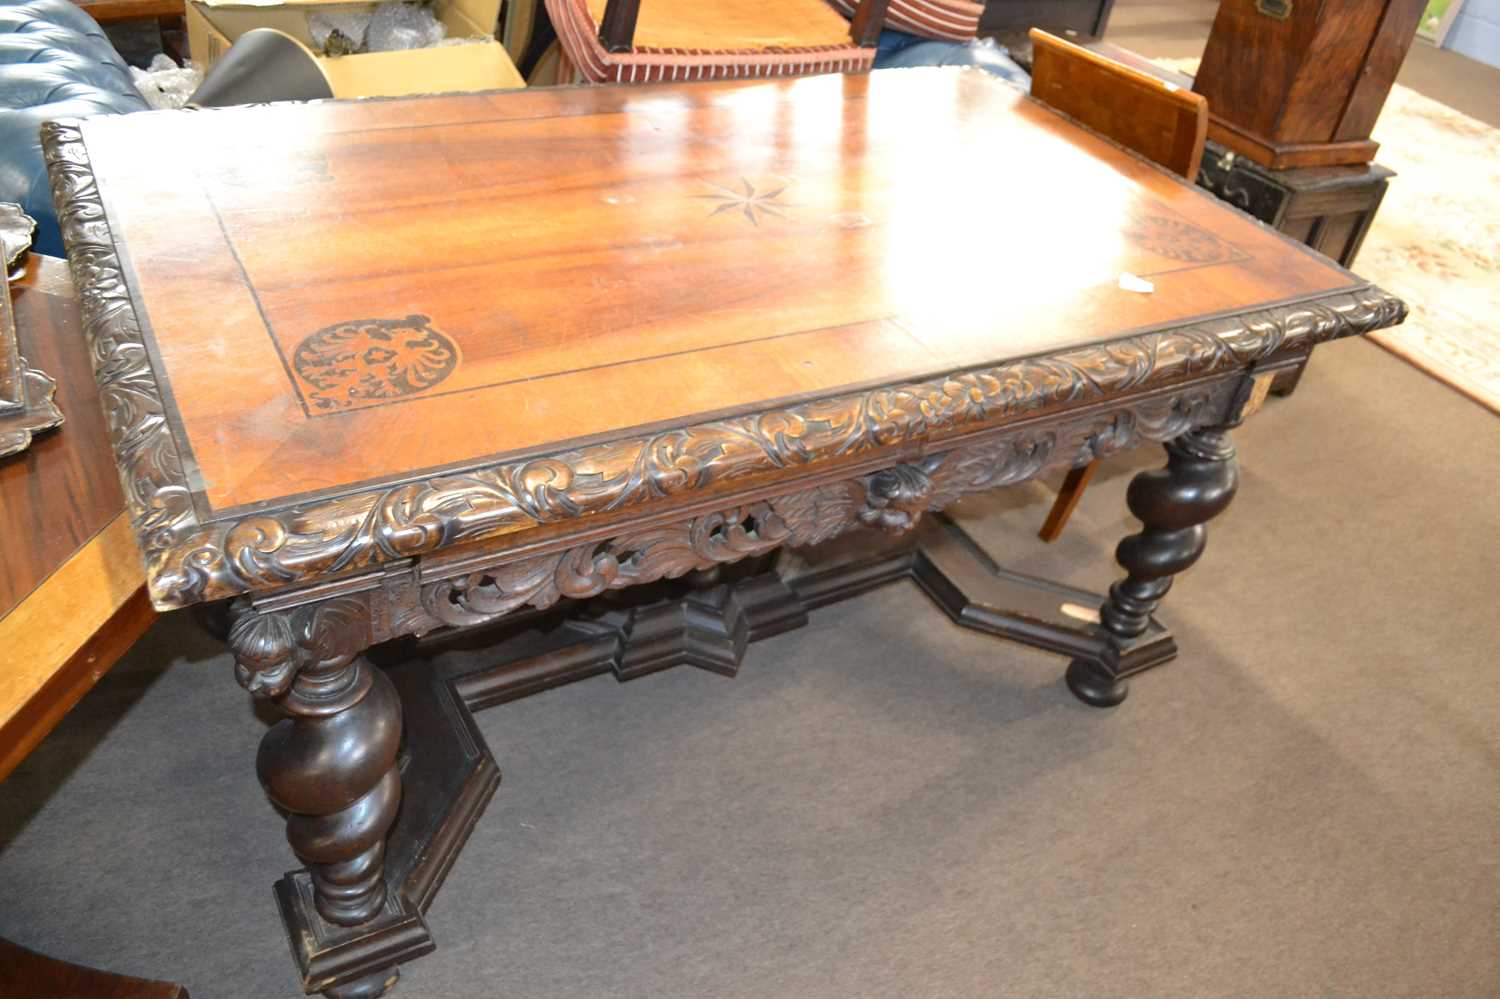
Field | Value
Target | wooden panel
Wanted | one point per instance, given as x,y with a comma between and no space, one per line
107,11
1335,233
64,488
1140,63
1251,62
1294,200
1326,78
387,301
1161,121
26,973
66,634
1394,37
1303,88
72,594
1299,229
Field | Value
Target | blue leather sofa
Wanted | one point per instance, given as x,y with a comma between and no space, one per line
55,62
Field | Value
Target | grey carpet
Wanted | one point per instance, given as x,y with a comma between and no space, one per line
1304,804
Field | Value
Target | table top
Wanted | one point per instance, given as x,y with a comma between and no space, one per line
360,331
72,589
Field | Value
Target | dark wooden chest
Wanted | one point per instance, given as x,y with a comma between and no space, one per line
1328,208
1294,83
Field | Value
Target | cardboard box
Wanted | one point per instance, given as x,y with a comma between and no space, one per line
213,25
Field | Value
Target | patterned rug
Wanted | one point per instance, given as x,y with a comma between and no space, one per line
1436,240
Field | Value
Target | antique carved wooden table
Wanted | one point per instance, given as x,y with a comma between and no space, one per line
378,369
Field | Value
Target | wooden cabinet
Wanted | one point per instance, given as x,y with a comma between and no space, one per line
1328,208
1301,84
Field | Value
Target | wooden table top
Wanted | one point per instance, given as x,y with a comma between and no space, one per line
72,589
343,302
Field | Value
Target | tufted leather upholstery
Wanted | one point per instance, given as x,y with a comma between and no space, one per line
55,62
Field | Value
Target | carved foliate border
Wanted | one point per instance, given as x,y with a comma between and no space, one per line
892,499
188,561
271,645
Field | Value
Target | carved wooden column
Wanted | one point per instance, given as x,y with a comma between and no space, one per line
1174,504
331,762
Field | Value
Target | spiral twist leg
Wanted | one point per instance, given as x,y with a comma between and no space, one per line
1173,504
331,762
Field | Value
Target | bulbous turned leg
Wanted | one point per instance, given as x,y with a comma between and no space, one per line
1094,684
331,762
1173,504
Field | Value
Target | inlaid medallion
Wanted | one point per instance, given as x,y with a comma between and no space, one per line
371,359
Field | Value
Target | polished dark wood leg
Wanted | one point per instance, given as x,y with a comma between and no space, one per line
369,987
330,763
1173,504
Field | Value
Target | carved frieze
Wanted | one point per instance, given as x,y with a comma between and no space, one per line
590,569
891,500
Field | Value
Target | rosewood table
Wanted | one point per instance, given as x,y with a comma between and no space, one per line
386,368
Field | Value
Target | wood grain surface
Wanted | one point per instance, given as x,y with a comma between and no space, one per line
728,25
72,588
26,973
1163,121
420,284
1393,38
61,491
1304,89
108,11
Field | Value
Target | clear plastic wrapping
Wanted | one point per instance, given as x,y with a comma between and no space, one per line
387,27
164,84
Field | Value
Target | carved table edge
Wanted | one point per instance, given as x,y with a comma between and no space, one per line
188,561
468,589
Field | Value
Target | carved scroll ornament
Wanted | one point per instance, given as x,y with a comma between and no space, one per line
188,561
271,649
892,500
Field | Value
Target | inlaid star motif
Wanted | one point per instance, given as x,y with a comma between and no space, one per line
747,201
